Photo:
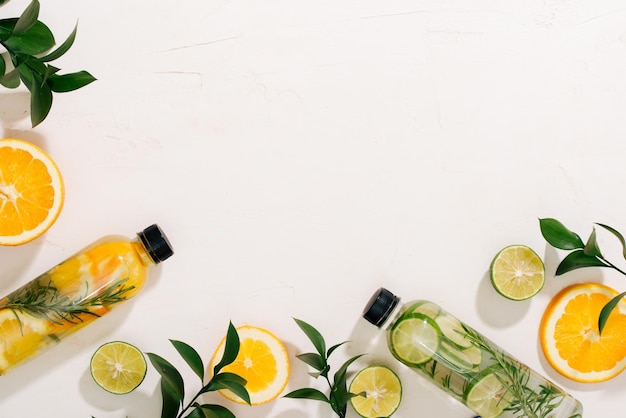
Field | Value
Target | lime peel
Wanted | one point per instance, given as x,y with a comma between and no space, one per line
517,272
118,367
378,391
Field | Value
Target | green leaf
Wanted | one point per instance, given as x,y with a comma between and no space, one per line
50,70
231,349
591,247
214,411
578,259
40,102
217,382
340,375
323,372
191,356
607,309
172,385
197,413
63,48
234,383
557,235
171,403
36,40
69,82
26,75
28,18
333,348
307,393
314,360
617,234
11,79
3,65
6,28
314,336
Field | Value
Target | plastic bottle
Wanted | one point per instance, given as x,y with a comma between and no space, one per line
464,363
76,292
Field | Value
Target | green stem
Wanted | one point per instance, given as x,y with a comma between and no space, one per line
613,266
189,405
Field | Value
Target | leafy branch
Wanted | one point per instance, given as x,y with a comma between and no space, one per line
582,254
173,386
339,395
28,43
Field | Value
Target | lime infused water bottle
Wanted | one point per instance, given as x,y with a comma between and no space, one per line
465,364
76,292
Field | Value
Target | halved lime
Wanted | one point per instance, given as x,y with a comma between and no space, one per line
415,339
487,395
517,272
379,392
118,367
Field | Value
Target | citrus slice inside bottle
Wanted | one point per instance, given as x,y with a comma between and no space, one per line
415,339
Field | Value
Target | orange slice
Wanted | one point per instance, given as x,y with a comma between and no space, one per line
569,336
262,361
21,337
31,192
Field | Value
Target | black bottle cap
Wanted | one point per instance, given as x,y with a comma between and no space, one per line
380,305
156,243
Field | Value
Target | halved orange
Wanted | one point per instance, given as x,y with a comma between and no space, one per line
31,192
569,335
262,361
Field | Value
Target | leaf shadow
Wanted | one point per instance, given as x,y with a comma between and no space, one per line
14,107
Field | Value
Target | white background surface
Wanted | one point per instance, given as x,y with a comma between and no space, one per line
301,154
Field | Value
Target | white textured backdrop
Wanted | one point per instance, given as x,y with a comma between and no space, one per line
301,154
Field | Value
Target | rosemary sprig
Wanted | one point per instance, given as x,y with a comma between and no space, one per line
44,300
582,254
530,402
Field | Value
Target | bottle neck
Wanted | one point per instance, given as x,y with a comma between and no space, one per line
393,315
143,253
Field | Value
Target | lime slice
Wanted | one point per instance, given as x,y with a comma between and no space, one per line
424,307
415,339
517,272
379,391
453,330
487,395
118,367
458,359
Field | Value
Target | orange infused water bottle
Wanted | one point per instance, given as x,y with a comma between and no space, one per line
465,364
76,292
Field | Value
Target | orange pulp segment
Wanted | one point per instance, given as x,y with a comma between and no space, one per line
570,339
21,336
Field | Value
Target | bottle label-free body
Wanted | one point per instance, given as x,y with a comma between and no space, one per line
473,369
65,298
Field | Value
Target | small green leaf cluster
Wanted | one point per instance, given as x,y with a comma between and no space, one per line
173,386
339,395
28,42
582,254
